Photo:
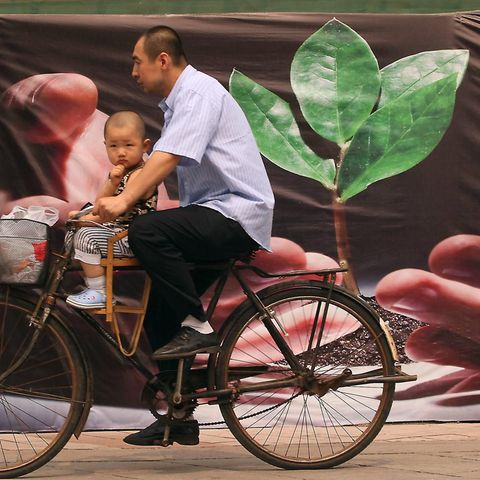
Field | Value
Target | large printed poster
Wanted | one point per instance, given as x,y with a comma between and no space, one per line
61,76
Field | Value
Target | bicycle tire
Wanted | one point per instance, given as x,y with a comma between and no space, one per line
289,428
42,401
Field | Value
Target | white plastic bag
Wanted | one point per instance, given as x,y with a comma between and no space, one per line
24,248
48,215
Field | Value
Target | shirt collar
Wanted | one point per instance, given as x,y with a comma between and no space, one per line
168,102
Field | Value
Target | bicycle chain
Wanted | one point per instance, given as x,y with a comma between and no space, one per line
209,424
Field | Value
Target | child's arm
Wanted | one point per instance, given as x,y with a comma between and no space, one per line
108,189
114,178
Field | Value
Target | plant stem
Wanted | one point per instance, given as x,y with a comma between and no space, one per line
341,235
343,245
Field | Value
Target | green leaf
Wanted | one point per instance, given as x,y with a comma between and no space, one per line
397,137
413,72
335,77
276,132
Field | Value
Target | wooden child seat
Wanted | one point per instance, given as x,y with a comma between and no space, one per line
110,311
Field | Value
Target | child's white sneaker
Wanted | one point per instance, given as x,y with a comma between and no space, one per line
89,298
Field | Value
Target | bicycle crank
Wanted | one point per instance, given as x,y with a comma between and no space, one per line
158,390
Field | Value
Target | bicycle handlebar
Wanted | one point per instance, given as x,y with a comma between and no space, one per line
85,211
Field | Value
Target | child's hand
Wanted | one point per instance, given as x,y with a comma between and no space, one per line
116,174
72,213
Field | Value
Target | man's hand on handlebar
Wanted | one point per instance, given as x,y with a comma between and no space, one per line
78,217
110,208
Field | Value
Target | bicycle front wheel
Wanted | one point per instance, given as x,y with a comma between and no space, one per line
323,413
42,399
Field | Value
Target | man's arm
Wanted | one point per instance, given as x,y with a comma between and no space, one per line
158,167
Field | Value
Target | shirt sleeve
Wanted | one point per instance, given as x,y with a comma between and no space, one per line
191,127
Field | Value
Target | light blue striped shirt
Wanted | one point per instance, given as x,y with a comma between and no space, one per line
220,167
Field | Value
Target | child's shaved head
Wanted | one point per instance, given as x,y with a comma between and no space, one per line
126,118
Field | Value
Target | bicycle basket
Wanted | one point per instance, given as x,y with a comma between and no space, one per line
24,251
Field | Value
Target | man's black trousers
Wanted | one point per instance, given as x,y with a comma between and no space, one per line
165,242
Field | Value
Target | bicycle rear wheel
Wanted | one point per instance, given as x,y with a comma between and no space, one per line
299,425
41,401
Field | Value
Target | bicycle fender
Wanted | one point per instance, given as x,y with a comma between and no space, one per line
89,398
382,323
389,337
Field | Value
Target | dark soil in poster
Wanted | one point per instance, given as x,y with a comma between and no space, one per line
400,326
357,342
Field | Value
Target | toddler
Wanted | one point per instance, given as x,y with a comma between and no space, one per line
126,145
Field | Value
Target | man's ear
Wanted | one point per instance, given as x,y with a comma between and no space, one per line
163,59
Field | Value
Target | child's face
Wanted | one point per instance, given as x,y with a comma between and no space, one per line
125,146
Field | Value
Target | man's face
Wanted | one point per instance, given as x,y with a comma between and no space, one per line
149,75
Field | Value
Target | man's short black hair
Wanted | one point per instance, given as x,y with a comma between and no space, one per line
163,39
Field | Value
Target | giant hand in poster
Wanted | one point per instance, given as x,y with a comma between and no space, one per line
447,299
58,113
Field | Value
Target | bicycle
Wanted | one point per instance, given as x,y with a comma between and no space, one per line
304,378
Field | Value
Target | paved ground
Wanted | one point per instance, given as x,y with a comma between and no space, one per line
400,452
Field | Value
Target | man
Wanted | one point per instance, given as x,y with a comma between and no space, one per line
226,202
